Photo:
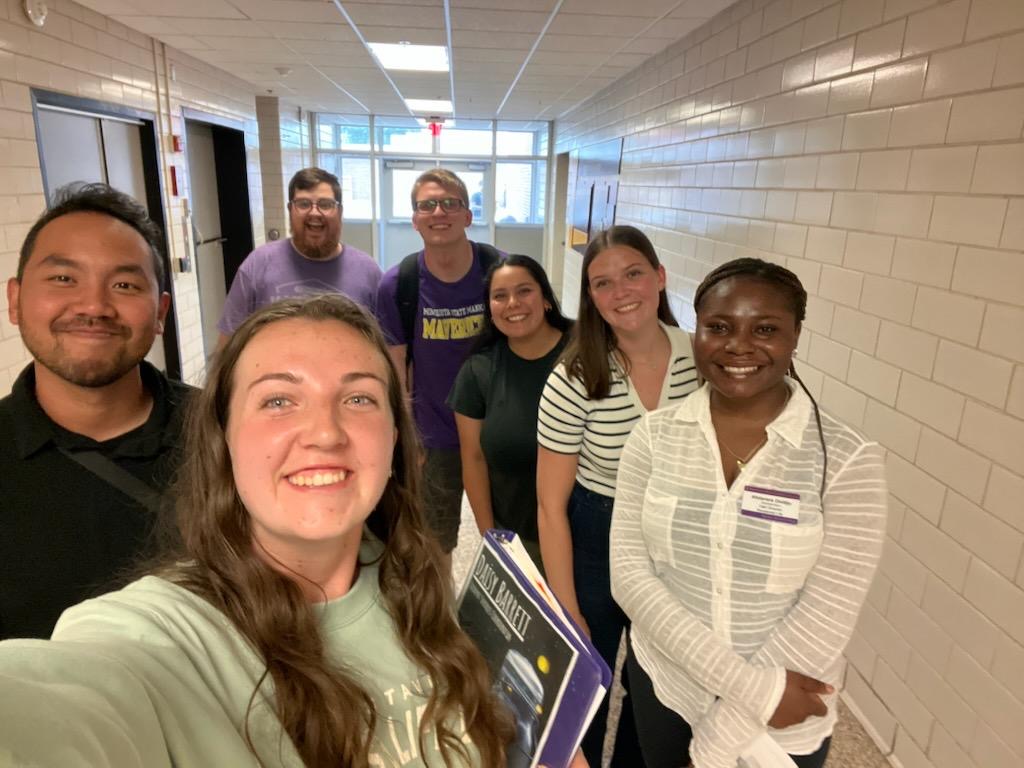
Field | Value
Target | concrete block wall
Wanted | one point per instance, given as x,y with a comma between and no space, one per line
284,149
82,53
876,148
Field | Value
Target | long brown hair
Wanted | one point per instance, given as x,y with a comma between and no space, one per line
328,716
592,341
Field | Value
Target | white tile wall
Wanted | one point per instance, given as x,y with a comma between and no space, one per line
911,250
82,53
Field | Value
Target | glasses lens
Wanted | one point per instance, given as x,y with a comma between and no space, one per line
426,206
302,204
450,204
326,204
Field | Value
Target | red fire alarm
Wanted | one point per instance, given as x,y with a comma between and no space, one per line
176,143
174,181
435,129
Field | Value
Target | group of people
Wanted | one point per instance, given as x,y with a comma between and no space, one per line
683,493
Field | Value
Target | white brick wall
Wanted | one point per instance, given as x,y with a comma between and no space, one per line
876,147
82,53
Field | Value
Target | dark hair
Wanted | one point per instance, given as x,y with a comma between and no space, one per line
789,284
308,178
763,271
592,340
325,709
447,180
489,333
79,197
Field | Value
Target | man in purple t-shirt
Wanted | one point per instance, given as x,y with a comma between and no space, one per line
312,261
448,315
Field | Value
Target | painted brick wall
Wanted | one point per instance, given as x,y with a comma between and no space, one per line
875,148
284,149
82,53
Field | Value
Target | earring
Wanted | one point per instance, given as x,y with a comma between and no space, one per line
795,352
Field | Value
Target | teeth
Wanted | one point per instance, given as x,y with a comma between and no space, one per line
515,318
733,370
317,479
628,307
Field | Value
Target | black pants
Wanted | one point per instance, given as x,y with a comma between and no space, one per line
664,735
590,520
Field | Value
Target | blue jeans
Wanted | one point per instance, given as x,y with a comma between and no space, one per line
590,519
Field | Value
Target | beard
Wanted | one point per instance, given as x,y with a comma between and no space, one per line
106,366
317,244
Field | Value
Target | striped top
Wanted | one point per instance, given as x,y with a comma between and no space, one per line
722,602
568,422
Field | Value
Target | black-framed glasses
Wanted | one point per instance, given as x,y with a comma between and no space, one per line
305,205
448,205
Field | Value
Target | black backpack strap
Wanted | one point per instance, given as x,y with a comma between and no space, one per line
489,256
118,477
407,296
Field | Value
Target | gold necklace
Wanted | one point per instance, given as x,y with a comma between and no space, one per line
741,461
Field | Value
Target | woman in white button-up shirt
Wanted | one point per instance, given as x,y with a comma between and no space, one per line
746,531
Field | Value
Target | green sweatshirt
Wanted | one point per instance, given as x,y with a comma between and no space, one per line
155,676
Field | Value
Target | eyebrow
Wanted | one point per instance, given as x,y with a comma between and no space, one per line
291,378
627,267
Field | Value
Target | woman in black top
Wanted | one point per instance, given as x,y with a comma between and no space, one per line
496,393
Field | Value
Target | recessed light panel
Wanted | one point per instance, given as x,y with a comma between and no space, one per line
414,58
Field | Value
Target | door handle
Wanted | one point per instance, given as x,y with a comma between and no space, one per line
209,240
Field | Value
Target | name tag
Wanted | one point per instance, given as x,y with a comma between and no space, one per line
768,504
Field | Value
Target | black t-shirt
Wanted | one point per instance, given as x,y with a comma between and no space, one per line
65,533
503,390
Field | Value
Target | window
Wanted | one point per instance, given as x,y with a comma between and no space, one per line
519,189
356,183
517,138
343,132
467,137
403,134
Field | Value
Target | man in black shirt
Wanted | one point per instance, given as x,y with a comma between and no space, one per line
89,433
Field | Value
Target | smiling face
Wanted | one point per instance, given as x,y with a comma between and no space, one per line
88,304
315,234
517,303
439,228
746,334
625,288
310,433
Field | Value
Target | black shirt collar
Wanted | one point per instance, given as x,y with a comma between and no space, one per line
34,430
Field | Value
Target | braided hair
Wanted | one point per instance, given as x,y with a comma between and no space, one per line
789,284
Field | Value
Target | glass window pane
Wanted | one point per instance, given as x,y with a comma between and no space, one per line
356,186
403,134
519,138
466,137
519,192
351,132
402,180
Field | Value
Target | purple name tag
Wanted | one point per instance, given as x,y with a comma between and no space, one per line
769,504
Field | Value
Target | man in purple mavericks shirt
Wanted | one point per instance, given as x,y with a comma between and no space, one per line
448,315
312,261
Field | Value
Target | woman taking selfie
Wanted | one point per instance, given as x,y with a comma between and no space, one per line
625,356
306,621
496,393
746,532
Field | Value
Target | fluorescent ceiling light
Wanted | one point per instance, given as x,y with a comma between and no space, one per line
417,58
429,105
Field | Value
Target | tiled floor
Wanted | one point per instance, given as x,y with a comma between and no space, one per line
851,746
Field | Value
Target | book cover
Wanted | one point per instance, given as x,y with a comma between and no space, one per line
545,670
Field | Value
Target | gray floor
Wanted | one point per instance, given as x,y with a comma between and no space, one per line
851,746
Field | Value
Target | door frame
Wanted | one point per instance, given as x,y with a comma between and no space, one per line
150,141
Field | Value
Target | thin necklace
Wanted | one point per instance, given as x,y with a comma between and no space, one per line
741,461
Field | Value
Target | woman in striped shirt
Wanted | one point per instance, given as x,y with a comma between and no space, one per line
626,356
746,532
